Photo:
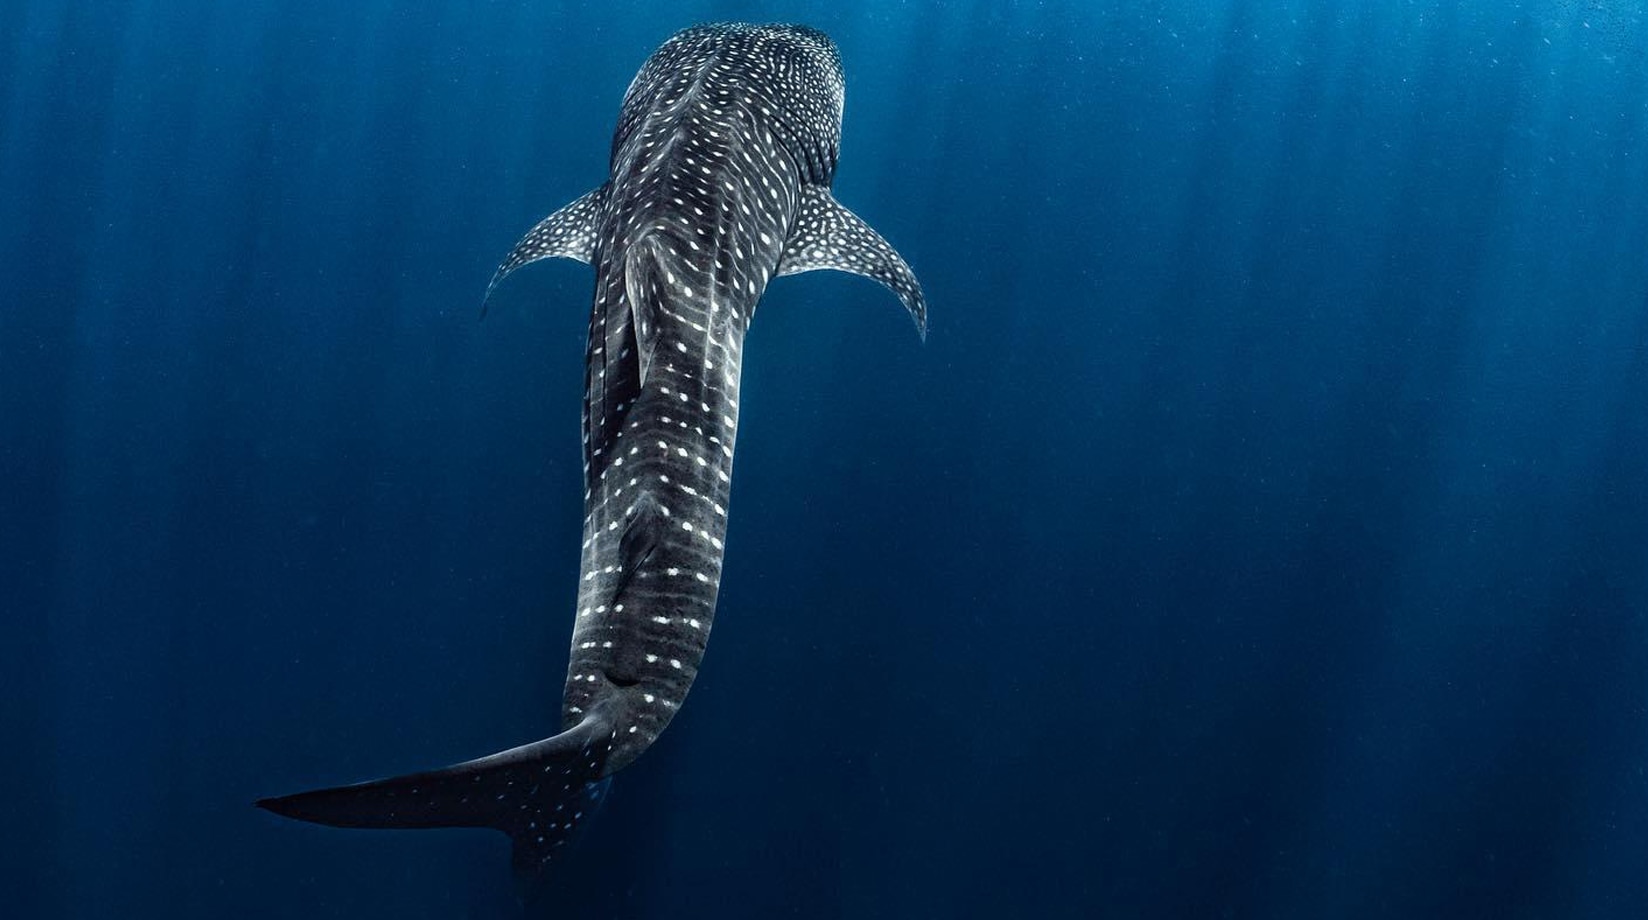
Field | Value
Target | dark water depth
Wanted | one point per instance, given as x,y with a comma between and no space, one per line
1261,532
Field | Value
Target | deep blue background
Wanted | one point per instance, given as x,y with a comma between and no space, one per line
1262,531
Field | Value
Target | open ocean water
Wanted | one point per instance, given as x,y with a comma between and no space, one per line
1262,530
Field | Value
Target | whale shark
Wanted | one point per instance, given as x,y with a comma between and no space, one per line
719,181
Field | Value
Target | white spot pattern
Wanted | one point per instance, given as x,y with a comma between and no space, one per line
719,181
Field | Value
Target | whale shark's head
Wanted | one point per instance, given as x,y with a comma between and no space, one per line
811,91
791,73
813,79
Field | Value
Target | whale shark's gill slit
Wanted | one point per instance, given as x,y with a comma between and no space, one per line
620,680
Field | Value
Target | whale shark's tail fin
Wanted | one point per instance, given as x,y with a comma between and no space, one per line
539,794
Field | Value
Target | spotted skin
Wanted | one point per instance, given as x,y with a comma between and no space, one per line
719,181
568,233
721,163
827,235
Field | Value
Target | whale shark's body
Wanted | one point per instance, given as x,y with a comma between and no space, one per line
721,165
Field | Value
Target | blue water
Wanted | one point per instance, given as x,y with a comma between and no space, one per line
1261,532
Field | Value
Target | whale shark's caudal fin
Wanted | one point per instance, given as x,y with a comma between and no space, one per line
538,794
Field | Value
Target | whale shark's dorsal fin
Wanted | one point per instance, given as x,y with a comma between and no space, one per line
644,275
827,235
567,234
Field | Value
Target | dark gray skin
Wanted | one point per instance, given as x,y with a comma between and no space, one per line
719,182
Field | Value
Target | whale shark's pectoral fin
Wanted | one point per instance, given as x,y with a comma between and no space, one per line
567,234
827,235
537,793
